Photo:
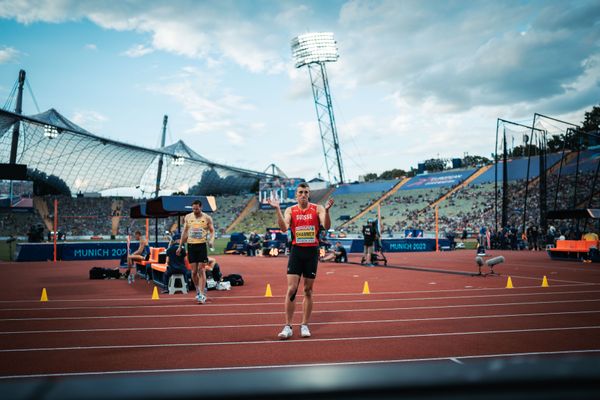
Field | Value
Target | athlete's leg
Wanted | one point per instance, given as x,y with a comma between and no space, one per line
195,277
307,303
290,304
202,277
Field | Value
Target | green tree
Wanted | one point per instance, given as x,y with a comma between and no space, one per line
556,143
590,129
475,161
392,174
435,165
591,122
370,177
47,184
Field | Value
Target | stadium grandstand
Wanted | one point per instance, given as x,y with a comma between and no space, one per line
85,171
465,197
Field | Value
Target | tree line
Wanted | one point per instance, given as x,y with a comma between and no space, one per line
572,140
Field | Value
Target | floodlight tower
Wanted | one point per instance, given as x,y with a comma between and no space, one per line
314,50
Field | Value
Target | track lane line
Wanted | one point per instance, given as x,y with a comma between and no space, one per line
165,298
338,339
278,304
238,326
279,366
314,311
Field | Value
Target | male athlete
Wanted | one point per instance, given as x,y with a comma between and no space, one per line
198,229
139,254
303,219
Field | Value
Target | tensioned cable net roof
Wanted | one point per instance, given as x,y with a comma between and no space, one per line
56,146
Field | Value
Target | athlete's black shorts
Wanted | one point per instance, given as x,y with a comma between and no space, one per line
303,261
197,252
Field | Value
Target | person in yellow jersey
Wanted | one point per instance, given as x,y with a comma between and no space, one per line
591,236
198,231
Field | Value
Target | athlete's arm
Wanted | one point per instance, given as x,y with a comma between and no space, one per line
324,218
184,236
282,221
211,230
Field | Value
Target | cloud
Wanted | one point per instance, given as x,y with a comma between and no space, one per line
234,138
468,56
90,46
308,141
213,108
9,54
208,29
417,78
138,50
92,121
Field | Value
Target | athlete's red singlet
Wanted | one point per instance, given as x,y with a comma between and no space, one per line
305,226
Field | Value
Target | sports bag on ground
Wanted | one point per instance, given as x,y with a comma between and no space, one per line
234,279
104,273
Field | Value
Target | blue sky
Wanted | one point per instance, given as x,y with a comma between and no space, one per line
415,79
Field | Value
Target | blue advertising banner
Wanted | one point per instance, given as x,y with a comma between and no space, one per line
442,179
395,245
73,251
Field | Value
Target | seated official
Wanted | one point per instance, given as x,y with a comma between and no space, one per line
339,254
253,245
175,263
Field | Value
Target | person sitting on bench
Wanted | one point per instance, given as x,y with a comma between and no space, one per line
175,263
141,254
339,254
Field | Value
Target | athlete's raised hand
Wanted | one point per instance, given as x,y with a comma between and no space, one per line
329,203
273,203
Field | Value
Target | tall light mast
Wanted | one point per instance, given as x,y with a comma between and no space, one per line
314,50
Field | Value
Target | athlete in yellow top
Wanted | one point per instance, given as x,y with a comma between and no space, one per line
591,236
198,230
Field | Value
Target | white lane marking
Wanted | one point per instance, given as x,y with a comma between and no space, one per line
239,326
456,360
278,366
314,312
338,339
278,304
322,294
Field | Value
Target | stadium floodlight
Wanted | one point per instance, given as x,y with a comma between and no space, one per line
313,50
51,132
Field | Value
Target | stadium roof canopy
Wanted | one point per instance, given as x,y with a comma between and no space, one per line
52,144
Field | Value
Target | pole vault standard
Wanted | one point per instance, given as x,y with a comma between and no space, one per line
55,226
505,174
543,191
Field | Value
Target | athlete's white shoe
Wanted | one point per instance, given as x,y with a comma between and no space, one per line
201,298
304,332
286,333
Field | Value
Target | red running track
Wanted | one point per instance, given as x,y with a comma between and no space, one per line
97,327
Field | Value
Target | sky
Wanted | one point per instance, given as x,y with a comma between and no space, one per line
415,80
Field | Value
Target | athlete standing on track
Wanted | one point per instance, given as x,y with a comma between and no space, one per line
303,219
198,229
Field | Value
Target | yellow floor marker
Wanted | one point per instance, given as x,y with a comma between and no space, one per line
268,292
155,294
366,288
509,284
545,282
44,295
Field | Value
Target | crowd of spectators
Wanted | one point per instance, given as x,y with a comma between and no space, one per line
468,210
